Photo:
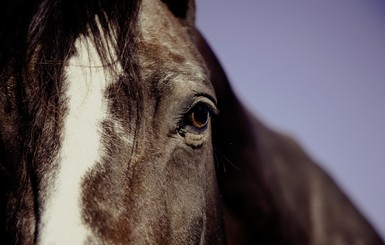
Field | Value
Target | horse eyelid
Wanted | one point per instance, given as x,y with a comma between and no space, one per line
208,101
184,117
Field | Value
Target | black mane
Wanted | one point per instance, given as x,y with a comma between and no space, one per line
53,26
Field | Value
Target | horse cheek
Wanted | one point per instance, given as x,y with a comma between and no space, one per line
193,197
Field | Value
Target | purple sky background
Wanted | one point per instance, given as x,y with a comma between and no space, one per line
314,69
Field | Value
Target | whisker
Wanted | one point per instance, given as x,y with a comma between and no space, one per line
222,156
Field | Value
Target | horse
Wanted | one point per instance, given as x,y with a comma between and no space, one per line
118,125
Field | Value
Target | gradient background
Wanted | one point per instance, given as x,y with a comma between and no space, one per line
314,69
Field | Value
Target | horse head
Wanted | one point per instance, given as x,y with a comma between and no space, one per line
118,125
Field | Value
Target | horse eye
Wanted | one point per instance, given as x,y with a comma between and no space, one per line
199,116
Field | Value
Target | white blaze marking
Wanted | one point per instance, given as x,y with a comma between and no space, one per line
81,146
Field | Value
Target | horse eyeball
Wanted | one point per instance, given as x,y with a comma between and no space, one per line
199,116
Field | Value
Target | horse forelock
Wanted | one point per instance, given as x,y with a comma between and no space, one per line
40,37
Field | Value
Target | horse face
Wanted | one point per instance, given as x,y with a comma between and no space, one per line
134,172
105,137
